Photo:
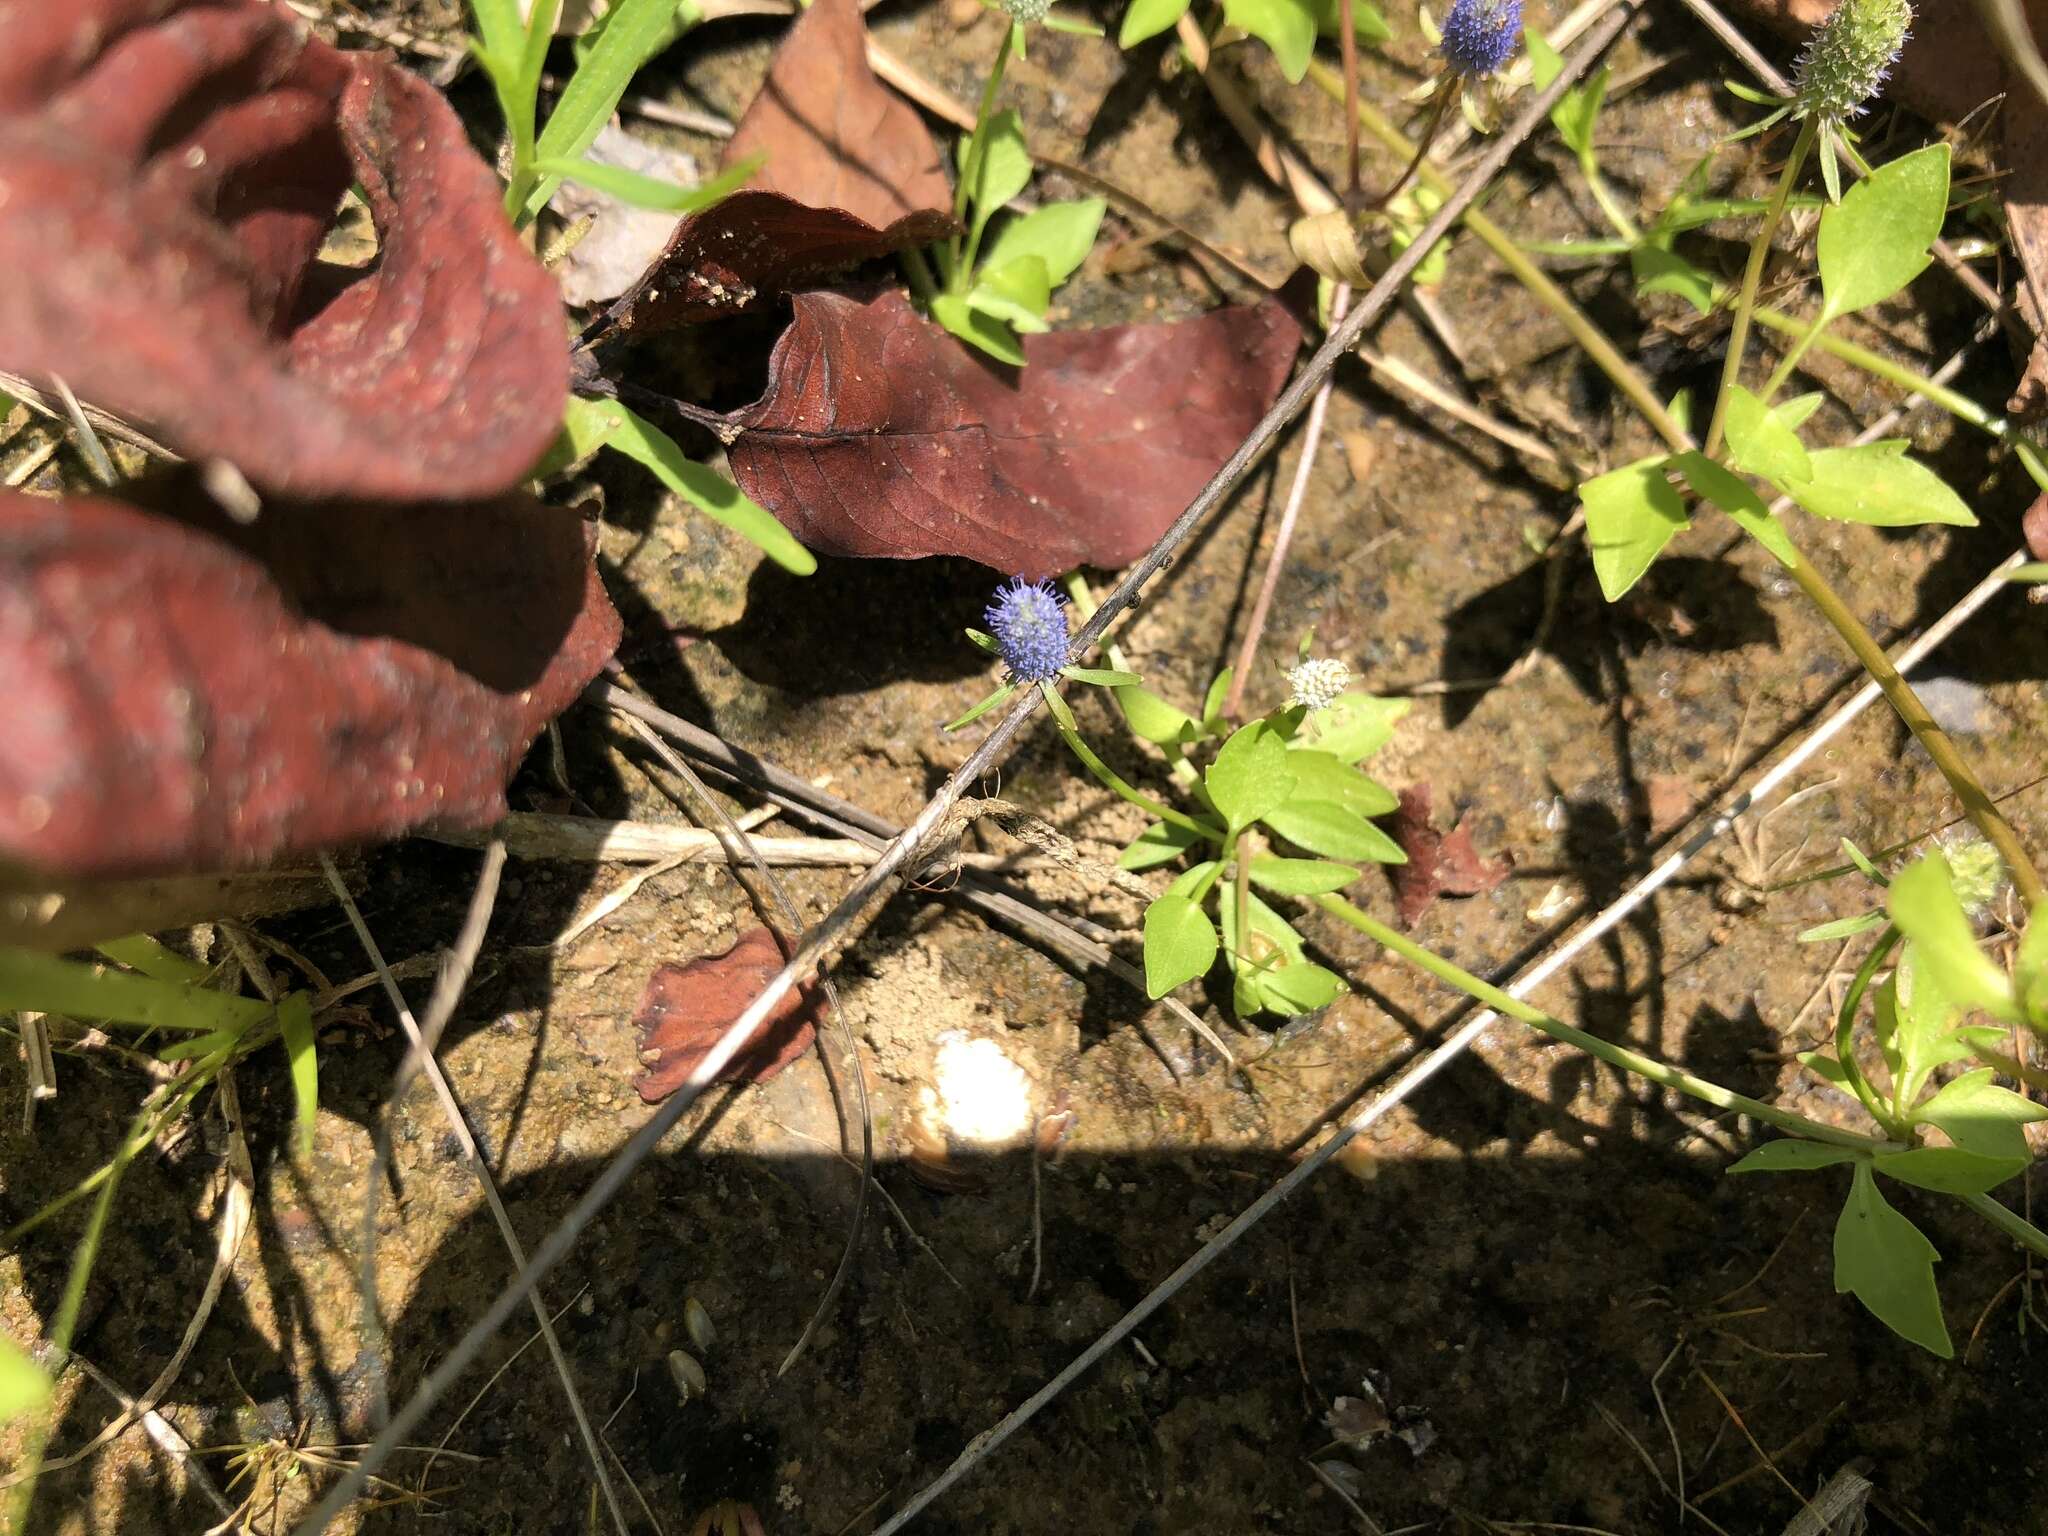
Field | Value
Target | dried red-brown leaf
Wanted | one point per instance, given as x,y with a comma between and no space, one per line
170,170
880,435
1439,863
834,135
188,697
751,248
687,1007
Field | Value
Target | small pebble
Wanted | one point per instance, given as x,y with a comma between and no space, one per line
687,1373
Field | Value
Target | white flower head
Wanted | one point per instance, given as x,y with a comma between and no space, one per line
1317,682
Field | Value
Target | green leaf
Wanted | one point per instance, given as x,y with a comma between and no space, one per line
1265,923
634,31
1355,726
1889,1265
1194,881
2030,967
1180,944
1842,928
1658,270
198,1046
705,489
1367,23
1003,168
1288,27
1251,775
1302,987
295,1025
1791,1155
1979,1116
1759,443
1827,1069
1631,514
1577,110
1059,235
650,191
1099,677
1149,18
999,697
1861,860
1152,718
2033,571
1321,776
1876,483
1732,494
1882,233
1334,832
1792,413
986,641
1212,701
1923,902
1948,1170
977,329
1016,294
1925,1012
1300,877
1160,843
23,1386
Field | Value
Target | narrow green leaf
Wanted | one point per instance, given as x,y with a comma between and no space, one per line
1759,443
1300,877
1003,169
1842,928
1288,27
1889,1264
1948,1170
23,1386
985,641
1792,414
1658,270
1212,701
1925,1012
1861,860
1923,902
1251,775
1827,1069
1791,1155
1149,18
140,952
1194,881
295,1024
1000,697
1979,1116
1302,987
1631,514
634,31
1180,944
1100,677
1882,233
1732,494
1160,843
1355,726
1334,832
1059,234
705,489
640,191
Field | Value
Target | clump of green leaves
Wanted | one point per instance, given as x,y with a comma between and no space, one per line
1871,246
989,297
1288,27
1289,781
1927,1014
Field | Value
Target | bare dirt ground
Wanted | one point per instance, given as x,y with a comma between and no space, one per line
1539,1265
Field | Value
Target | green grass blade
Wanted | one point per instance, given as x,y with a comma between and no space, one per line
47,984
634,30
295,1023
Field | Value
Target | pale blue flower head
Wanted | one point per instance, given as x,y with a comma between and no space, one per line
1030,629
1479,36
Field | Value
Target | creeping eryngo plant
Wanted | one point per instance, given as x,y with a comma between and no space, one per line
1933,1011
1290,780
988,298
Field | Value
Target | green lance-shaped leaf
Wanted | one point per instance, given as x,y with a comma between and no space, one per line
1888,1264
1881,235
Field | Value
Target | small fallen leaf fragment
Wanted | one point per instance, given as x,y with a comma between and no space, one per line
191,696
834,135
171,172
750,249
1439,863
687,1007
881,436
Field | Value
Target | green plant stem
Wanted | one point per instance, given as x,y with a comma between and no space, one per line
1063,718
970,162
1845,1029
1977,805
1752,279
2008,1221
1615,1055
1589,337
1085,605
1596,184
918,273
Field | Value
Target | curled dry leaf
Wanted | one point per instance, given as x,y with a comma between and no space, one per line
753,247
1439,863
881,436
687,1007
833,134
183,696
169,171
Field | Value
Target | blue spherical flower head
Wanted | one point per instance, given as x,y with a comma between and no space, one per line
1479,36
1030,629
